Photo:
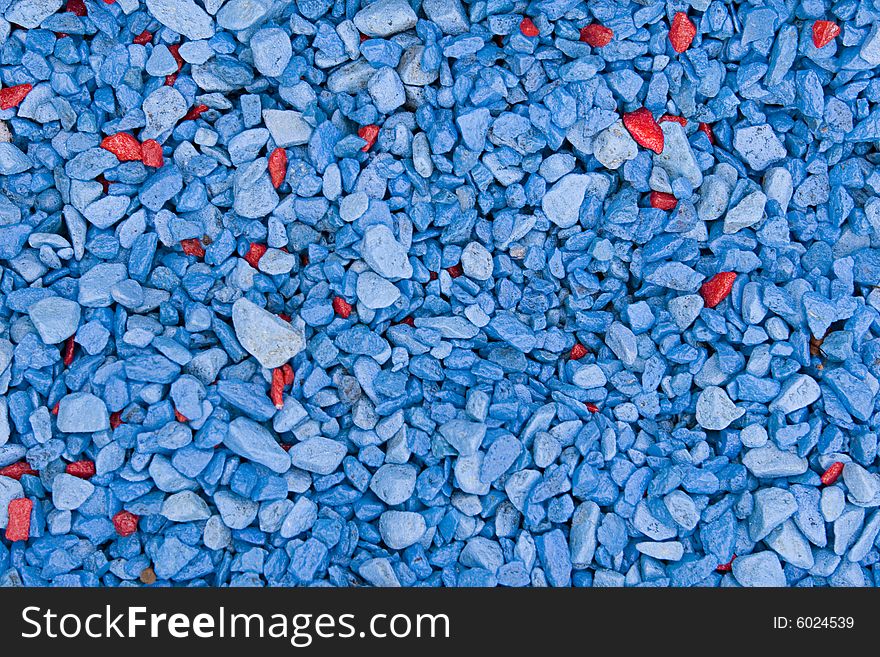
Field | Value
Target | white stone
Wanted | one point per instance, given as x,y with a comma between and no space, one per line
614,146
476,261
384,254
375,292
265,336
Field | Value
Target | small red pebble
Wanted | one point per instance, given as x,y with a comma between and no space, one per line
77,7
663,201
725,567
432,276
832,473
596,35
706,129
152,153
180,417
455,271
644,129
18,470
126,523
304,259
193,247
287,371
682,32
528,28
254,254
276,390
278,167
143,38
409,321
284,316
12,96
680,120
124,146
369,133
341,307
824,32
592,407
109,2
578,351
169,82
115,419
81,469
56,408
18,528
69,348
716,289
175,52
195,112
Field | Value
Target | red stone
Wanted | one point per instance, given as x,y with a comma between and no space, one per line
644,129
578,351
115,419
409,321
528,28
369,133
124,146
716,289
663,201
832,473
68,351
18,528
432,275
680,120
195,112
592,407
341,307
169,82
254,254
56,408
18,470
276,391
824,32
12,96
287,371
175,52
455,271
596,35
152,153
682,32
706,129
77,7
278,167
82,469
193,247
725,567
126,523
180,417
143,38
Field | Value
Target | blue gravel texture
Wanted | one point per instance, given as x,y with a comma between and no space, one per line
529,345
